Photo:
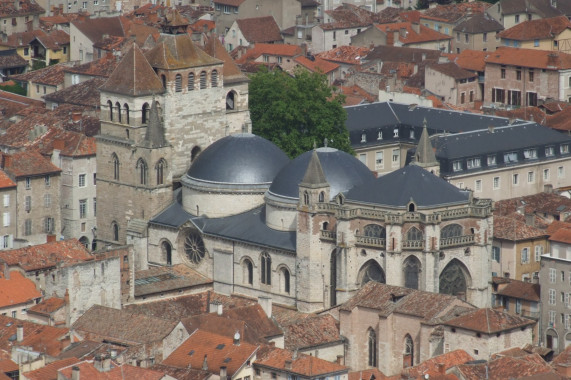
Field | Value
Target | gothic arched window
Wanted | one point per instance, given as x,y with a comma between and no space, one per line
305,198
266,269
372,340
248,272
126,108
284,280
115,230
230,101
118,106
411,268
414,234
451,230
166,249
322,196
115,160
374,230
143,171
145,113
110,106
160,167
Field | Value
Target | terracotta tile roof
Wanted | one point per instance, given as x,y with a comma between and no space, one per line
41,338
29,163
117,372
6,362
388,299
48,306
11,103
123,327
15,40
51,75
524,113
555,106
317,64
561,120
356,95
452,70
260,29
563,358
219,351
88,349
17,289
514,228
479,23
11,59
81,94
232,3
352,16
520,289
436,365
102,67
402,54
345,54
556,225
96,28
54,40
133,76
407,34
183,373
178,52
110,43
49,372
302,365
562,235
489,321
542,59
452,13
255,318
367,374
545,28
540,203
502,368
201,25
25,7
164,279
5,181
214,48
259,49
46,255
311,332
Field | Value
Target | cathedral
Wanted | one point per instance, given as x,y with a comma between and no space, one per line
181,178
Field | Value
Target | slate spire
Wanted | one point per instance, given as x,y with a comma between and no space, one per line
424,151
155,136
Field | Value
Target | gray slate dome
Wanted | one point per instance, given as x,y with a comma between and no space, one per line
341,170
242,158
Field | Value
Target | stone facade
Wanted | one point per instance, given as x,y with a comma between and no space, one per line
9,226
325,38
459,92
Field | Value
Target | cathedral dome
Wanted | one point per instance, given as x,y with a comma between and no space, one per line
238,159
342,171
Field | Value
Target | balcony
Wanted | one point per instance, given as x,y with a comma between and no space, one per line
328,235
371,241
413,244
456,241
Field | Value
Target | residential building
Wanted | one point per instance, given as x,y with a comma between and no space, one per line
554,280
86,32
42,82
51,312
406,34
551,34
11,63
18,294
17,17
479,32
347,57
513,12
318,65
168,281
280,54
102,365
99,68
246,32
84,94
9,211
444,18
453,84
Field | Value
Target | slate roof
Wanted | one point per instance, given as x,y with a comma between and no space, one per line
540,59
397,188
219,351
121,326
29,164
178,52
479,23
133,76
546,28
489,321
520,289
17,290
163,279
542,7
452,70
46,255
81,94
260,29
51,75
303,365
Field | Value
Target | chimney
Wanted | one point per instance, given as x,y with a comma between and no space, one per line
6,270
219,309
75,373
106,363
441,368
6,161
530,220
20,333
98,362
288,364
213,306
294,356
266,304
491,128
75,116
416,27
205,363
339,360
237,338
223,373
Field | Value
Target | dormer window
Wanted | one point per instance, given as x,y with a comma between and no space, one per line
412,133
396,132
379,135
549,151
473,163
363,137
564,149
530,153
457,166
491,160
510,157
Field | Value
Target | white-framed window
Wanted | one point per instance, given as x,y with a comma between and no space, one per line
491,160
83,208
560,172
525,255
510,157
566,299
363,158
363,137
457,166
552,275
496,254
84,5
549,151
567,321
28,183
379,163
49,225
473,163
546,174
496,183
6,200
564,148
47,200
6,219
6,241
82,180
515,179
518,306
552,317
530,177
396,132
396,157
538,252
530,153
478,185
48,180
552,296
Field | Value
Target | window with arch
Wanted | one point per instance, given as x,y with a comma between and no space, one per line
451,230
190,84
160,169
143,171
178,83
115,161
375,231
166,249
266,269
118,106
408,352
371,271
203,80
414,234
305,198
411,207
230,101
322,196
454,279
248,275
284,280
411,269
115,231
164,80
145,113
214,78
110,106
126,108
372,340
85,241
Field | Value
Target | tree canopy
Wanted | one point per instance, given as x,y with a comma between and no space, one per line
296,112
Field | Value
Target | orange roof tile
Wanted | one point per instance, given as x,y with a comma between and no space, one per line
17,289
545,28
48,306
561,120
407,34
317,65
368,374
217,349
562,235
505,367
49,372
489,321
117,372
471,60
46,255
542,59
260,49
5,181
454,12
42,338
304,365
437,364
345,54
259,29
519,289
30,163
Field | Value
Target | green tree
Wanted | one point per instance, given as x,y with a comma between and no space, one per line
15,88
294,112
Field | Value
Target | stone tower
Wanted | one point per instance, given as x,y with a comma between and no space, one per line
424,156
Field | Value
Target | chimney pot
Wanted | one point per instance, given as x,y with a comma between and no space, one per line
288,364
223,373
205,363
219,309
20,333
75,373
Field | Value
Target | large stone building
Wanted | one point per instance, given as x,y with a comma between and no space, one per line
159,110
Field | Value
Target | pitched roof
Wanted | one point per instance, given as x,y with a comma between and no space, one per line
183,373
134,76
30,163
345,54
489,321
81,94
178,52
520,289
302,365
46,255
282,50
214,48
352,16
218,351
561,120
562,235
316,64
401,54
41,338
117,372
10,59
433,366
102,67
545,28
5,181
96,28
408,35
48,306
54,40
49,372
17,289
163,279
122,326
11,103
23,8
541,203
542,59
454,12
259,29
51,75
505,367
452,70
479,23
312,331
515,228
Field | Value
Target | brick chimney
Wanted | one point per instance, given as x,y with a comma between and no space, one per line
6,161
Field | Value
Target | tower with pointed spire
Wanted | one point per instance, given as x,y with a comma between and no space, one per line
424,156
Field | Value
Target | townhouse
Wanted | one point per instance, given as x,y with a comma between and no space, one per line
552,34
